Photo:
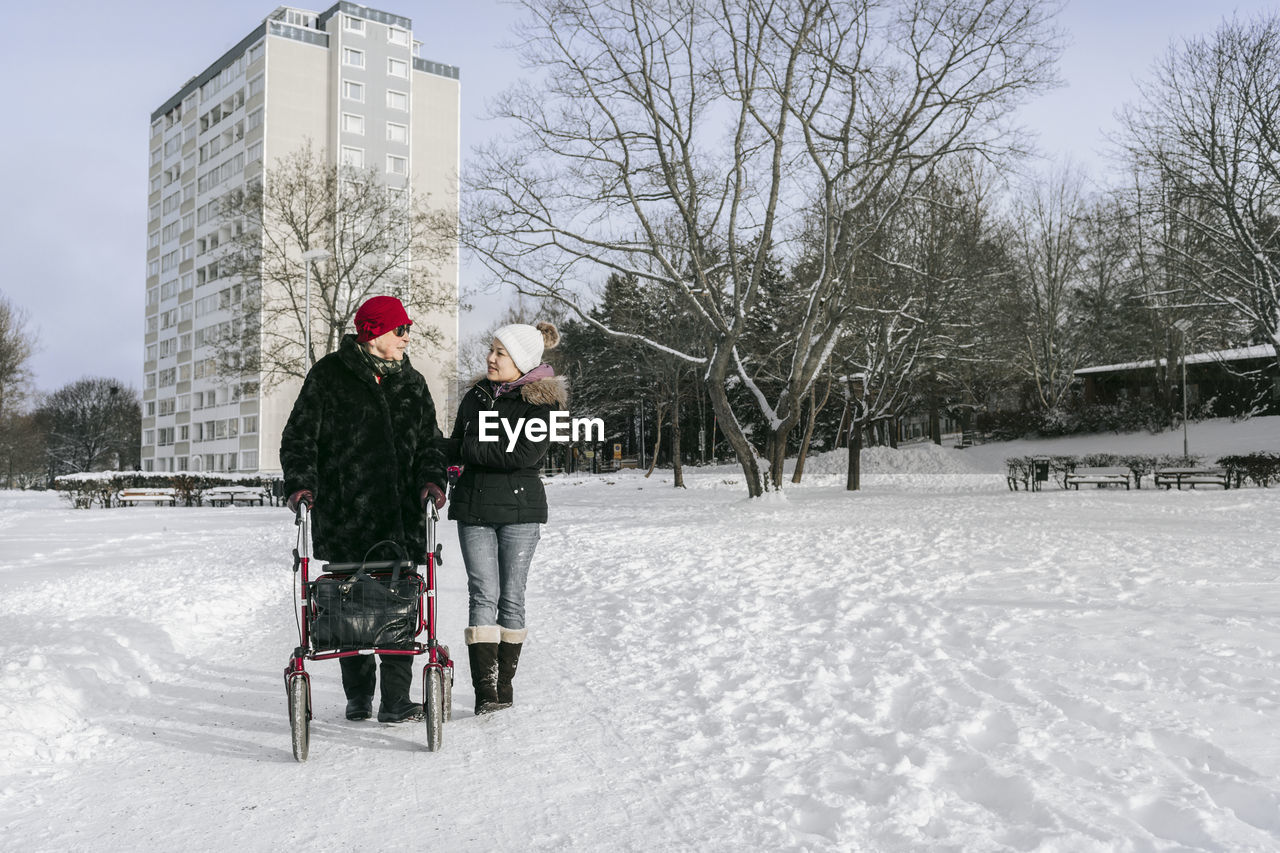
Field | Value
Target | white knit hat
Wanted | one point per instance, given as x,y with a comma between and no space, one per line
525,344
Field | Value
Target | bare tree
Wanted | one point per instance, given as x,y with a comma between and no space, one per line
17,343
1207,131
684,142
916,328
1162,291
1049,248
378,240
23,462
92,425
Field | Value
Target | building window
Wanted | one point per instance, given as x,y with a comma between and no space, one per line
353,24
353,124
249,460
397,100
397,132
353,157
397,68
250,424
353,91
353,57
397,165
395,35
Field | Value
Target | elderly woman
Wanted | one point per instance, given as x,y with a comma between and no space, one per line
499,502
362,448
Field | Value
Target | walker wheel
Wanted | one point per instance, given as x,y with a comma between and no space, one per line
299,715
434,708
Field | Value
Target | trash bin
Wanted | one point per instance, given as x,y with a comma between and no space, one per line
1039,471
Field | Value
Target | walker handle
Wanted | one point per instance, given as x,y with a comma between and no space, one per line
430,515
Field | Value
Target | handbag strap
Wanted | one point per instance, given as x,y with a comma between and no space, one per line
395,572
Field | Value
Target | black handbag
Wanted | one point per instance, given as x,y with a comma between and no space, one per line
366,610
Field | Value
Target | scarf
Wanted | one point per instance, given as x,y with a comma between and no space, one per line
382,366
542,371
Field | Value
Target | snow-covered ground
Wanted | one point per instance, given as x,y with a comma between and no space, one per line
934,663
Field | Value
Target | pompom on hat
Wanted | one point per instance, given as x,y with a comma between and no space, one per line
526,344
379,315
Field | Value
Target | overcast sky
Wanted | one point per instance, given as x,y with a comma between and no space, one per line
85,77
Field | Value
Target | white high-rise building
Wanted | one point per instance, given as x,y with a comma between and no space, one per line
349,82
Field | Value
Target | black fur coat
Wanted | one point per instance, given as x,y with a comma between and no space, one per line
500,486
365,450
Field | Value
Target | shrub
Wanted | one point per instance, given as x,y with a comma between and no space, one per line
1260,467
103,487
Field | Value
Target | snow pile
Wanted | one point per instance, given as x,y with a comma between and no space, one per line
1208,439
917,459
919,467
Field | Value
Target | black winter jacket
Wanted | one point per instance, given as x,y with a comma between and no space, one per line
500,487
365,450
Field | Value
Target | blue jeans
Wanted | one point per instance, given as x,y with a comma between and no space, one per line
497,558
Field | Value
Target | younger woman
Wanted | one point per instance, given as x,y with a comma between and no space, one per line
499,502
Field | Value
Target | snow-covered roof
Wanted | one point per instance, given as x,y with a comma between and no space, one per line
1237,354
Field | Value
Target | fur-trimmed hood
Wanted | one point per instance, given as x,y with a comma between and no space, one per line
552,391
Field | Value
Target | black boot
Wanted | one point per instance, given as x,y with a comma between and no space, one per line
482,648
397,678
508,659
360,708
358,677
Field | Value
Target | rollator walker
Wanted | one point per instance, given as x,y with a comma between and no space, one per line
342,613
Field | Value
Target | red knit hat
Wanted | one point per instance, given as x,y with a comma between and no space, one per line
379,315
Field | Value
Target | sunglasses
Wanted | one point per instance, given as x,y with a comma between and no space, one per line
402,331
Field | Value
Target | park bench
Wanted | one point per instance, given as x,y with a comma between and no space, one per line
130,497
1100,477
234,495
1192,477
